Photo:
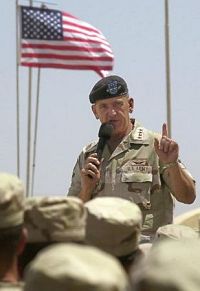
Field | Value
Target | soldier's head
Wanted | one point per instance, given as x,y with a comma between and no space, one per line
12,232
52,219
171,265
75,267
114,225
111,103
174,232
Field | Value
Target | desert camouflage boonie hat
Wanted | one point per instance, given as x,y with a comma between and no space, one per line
170,265
10,286
75,267
11,201
114,225
55,218
174,231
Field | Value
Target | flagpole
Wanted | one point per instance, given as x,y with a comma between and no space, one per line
29,127
17,92
29,132
167,60
36,125
35,132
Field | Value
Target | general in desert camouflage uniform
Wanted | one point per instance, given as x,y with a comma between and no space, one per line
141,166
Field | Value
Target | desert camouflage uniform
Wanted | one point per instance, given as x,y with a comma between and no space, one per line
132,171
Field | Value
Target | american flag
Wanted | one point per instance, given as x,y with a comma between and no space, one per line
56,39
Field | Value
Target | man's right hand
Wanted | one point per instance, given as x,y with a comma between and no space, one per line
90,176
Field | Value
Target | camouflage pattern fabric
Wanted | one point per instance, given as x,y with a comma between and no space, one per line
114,225
75,267
55,218
174,231
11,201
170,265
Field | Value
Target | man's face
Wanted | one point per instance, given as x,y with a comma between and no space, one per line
115,111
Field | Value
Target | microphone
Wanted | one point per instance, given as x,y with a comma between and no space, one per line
104,135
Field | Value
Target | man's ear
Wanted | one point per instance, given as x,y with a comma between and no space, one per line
131,104
94,111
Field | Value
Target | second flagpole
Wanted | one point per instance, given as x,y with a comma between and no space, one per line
167,60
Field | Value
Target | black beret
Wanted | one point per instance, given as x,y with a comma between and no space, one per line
108,87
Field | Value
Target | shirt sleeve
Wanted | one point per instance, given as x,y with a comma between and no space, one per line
167,180
75,186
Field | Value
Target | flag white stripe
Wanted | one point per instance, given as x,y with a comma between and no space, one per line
84,37
65,53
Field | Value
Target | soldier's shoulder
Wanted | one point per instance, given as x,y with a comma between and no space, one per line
90,147
142,133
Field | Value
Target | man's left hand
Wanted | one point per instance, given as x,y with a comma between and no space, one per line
166,149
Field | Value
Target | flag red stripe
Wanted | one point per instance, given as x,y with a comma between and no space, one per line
65,57
60,47
63,47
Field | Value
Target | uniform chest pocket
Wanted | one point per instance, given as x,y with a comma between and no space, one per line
138,187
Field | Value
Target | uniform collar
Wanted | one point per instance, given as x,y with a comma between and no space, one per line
139,135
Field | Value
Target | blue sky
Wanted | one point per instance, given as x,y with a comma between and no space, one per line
135,30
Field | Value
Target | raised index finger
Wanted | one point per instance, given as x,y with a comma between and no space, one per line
164,130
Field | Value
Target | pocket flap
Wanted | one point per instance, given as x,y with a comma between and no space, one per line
131,177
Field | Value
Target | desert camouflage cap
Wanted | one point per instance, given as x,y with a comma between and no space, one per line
10,286
170,265
114,225
75,267
55,218
11,201
174,231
